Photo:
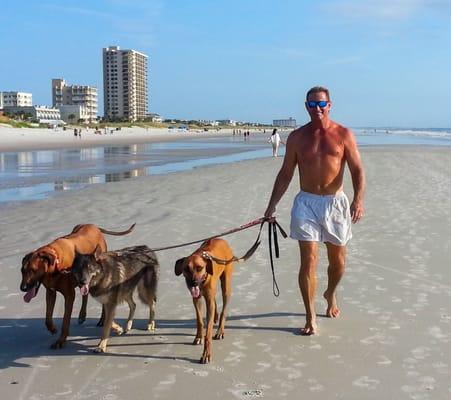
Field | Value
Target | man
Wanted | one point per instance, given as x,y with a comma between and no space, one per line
321,211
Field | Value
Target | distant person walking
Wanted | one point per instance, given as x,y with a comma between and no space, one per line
275,141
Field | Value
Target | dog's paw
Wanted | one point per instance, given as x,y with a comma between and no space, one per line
205,359
117,328
58,344
197,341
99,350
128,326
52,329
218,336
151,327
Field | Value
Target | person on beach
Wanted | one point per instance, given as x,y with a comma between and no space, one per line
275,141
321,211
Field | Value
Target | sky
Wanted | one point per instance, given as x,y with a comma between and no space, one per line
387,63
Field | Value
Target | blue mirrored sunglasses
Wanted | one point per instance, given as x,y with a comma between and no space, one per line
314,104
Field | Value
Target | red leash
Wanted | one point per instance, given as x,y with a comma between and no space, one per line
229,232
273,226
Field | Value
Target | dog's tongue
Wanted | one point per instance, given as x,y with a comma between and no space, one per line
30,294
84,290
195,292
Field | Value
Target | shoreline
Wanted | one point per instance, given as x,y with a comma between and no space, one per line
28,139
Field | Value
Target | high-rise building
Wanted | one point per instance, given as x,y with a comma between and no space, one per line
15,99
124,84
82,100
287,123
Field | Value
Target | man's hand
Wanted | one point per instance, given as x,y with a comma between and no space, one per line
357,211
270,211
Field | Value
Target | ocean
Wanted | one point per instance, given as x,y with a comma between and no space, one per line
34,175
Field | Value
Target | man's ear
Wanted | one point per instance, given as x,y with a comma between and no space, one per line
179,265
209,267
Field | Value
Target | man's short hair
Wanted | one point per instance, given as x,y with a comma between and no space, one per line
318,89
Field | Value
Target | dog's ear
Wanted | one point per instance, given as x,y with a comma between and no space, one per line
209,266
97,252
49,258
26,258
179,265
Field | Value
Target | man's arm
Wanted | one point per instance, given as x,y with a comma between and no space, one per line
284,176
357,174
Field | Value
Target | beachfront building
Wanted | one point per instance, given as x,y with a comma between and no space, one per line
82,100
229,122
154,117
15,99
41,114
285,123
124,84
75,113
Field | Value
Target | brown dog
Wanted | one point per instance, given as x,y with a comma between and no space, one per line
50,265
202,270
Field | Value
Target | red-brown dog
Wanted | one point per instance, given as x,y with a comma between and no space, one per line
50,265
202,270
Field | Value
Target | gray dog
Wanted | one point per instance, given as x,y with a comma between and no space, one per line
112,277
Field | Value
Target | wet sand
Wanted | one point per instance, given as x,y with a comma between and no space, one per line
391,340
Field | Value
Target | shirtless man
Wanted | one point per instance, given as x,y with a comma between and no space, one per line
321,211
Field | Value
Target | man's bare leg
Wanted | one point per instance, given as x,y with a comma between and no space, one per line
335,271
307,284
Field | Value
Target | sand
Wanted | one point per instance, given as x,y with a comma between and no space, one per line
18,139
391,341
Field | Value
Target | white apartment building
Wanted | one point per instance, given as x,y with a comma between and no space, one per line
75,113
290,122
41,114
15,99
82,98
124,84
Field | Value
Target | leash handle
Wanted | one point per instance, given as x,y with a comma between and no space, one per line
275,286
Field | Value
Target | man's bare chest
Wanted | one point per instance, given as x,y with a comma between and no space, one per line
321,147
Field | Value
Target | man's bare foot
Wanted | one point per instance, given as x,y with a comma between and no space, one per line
332,309
309,329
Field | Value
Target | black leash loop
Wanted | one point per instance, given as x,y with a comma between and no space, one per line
273,225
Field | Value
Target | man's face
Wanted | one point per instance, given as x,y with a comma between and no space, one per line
316,112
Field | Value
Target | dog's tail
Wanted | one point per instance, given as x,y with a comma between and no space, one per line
107,232
248,254
147,285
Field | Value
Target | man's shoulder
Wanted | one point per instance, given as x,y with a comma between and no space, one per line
299,131
343,131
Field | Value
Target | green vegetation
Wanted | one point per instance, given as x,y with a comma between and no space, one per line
15,124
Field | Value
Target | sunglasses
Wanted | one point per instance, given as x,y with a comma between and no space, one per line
314,104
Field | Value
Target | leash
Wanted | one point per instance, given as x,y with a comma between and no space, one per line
273,226
240,228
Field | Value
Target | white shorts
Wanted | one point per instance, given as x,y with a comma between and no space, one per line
317,218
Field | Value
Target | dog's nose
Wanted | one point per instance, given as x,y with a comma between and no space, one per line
24,287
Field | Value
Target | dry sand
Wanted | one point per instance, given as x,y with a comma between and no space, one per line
15,139
392,340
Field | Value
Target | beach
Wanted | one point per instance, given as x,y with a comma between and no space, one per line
15,139
391,340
